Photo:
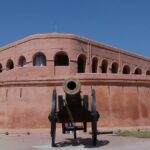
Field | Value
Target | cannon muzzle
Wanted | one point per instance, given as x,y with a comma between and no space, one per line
72,86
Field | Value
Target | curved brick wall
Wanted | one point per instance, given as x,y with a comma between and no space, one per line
25,92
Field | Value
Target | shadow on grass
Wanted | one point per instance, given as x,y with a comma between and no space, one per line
86,142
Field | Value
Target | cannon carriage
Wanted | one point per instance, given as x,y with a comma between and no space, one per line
73,109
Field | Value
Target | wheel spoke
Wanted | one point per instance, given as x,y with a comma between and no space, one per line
53,117
94,119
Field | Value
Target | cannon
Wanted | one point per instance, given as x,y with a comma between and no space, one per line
72,110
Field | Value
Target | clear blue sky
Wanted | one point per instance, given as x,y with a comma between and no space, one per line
120,23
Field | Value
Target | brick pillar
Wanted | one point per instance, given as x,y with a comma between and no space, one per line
50,65
73,66
89,59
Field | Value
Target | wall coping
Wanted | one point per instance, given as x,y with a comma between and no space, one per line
85,79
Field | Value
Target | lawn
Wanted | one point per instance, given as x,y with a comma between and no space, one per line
138,134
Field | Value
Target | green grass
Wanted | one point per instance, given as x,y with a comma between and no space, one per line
137,134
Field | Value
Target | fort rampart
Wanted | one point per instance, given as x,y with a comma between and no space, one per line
30,68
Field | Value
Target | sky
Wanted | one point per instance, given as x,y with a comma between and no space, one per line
123,24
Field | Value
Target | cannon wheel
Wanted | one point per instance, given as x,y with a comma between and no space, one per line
53,116
60,107
94,120
85,105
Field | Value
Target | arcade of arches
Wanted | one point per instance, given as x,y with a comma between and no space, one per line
62,59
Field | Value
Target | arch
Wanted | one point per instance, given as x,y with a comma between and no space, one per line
81,63
114,67
1,68
39,59
61,59
126,69
22,61
9,65
138,71
148,72
104,66
94,65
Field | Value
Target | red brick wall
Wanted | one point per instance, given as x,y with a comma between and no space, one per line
25,92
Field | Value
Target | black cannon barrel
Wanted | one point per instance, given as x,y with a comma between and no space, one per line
72,88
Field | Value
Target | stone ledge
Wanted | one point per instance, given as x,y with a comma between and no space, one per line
85,79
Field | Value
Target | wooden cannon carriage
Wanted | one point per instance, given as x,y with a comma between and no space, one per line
73,109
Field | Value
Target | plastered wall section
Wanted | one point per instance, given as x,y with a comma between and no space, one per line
119,105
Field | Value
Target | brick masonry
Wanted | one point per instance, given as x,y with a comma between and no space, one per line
30,68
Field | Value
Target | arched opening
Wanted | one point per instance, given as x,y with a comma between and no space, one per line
81,63
39,59
22,61
94,65
114,67
138,71
126,69
148,72
1,68
104,66
61,59
10,64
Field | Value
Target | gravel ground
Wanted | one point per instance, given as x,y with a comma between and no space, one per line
41,141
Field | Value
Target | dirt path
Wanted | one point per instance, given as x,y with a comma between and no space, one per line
41,141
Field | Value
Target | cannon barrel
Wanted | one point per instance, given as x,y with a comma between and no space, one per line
72,88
